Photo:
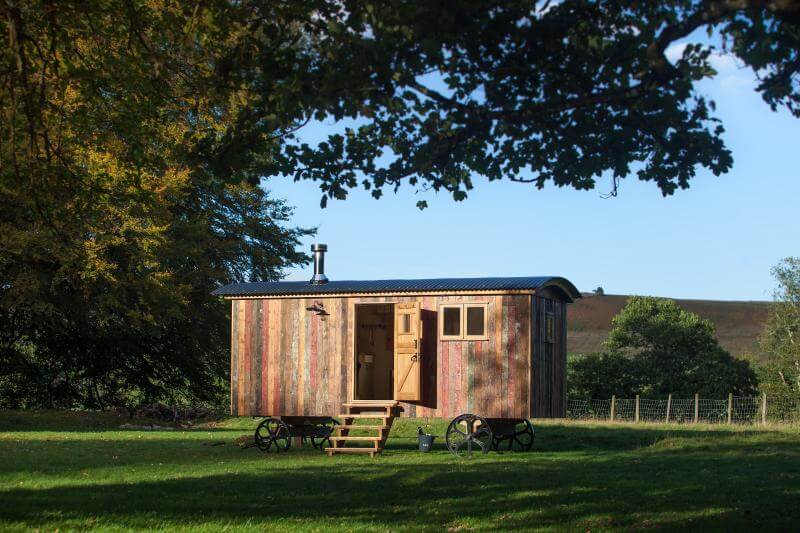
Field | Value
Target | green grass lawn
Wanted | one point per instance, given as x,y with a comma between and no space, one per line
76,471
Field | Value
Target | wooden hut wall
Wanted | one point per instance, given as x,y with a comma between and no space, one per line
289,361
549,361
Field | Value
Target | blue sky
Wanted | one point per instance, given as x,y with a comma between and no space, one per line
716,240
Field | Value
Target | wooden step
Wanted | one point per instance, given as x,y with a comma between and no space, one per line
357,426
370,451
368,403
366,415
339,438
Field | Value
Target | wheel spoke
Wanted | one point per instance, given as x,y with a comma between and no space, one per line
481,431
482,445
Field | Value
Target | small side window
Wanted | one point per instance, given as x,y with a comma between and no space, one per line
549,327
405,323
463,321
451,322
475,328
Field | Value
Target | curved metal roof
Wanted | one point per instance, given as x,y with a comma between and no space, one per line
304,288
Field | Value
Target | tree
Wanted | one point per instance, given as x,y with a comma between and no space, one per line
656,348
677,351
599,291
130,159
536,92
603,375
781,338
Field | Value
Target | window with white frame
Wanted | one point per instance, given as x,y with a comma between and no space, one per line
463,321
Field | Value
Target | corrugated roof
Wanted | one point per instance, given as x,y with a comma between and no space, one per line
303,288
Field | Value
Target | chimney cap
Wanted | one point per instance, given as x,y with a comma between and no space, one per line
319,264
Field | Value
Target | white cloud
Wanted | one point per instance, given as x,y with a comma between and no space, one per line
675,51
731,72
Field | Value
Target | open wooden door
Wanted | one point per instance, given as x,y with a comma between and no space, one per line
407,342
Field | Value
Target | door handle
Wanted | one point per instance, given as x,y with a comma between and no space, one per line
414,358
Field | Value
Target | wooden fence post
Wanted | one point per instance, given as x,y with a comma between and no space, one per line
613,405
730,407
669,404
696,408
764,409
636,418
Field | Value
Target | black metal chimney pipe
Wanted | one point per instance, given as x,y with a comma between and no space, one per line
319,264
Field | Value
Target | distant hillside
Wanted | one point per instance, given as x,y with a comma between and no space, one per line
738,323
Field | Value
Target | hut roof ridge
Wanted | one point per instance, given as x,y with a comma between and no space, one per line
304,288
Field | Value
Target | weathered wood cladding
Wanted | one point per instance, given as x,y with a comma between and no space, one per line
549,361
288,360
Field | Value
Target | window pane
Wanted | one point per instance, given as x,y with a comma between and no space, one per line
451,321
405,323
475,321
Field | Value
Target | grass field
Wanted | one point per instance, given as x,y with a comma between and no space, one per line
75,471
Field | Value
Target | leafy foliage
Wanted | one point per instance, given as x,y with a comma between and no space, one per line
603,375
535,92
656,348
129,171
781,339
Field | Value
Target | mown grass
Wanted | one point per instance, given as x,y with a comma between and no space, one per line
77,470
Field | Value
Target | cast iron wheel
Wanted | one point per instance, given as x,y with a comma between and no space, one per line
522,438
273,434
322,440
466,432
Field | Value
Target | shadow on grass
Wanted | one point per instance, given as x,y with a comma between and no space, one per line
54,455
739,485
579,476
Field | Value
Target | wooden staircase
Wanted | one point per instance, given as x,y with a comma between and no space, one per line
370,419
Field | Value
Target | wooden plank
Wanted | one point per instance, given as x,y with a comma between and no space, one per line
274,349
497,367
469,349
280,358
328,342
244,368
535,357
256,351
522,311
313,354
265,410
443,392
512,358
562,412
234,358
302,363
242,356
350,352
344,321
291,361
458,393
539,369
346,438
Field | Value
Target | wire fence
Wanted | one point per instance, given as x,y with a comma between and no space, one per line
733,410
